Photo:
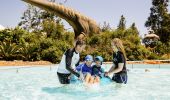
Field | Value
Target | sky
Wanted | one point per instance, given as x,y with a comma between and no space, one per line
135,11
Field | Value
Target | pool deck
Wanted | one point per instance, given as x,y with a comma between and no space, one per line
146,62
25,63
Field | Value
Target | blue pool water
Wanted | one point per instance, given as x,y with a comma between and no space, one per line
41,83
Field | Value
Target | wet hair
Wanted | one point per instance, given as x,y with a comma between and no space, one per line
80,43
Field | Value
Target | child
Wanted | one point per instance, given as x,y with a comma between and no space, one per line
96,69
86,68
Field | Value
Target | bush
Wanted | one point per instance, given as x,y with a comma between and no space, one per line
153,56
52,54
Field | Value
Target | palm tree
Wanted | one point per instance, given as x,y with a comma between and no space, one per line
8,50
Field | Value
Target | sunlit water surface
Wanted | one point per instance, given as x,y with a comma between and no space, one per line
41,83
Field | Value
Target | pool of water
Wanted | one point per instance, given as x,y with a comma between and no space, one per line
41,83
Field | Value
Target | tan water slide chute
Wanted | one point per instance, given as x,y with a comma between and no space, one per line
79,22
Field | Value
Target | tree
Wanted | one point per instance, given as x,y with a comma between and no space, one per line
30,19
133,27
30,51
159,20
40,21
79,22
8,50
105,27
33,17
122,23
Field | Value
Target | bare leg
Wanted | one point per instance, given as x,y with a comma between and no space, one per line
91,79
97,79
87,78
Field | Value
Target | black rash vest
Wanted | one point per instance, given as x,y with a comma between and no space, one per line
119,58
68,62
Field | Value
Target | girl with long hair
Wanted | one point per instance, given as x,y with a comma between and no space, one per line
118,68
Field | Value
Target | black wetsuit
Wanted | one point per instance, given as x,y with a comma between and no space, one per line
97,71
120,77
67,65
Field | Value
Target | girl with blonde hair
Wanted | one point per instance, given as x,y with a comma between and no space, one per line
119,62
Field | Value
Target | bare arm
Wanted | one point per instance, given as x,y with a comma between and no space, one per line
113,70
69,55
120,67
